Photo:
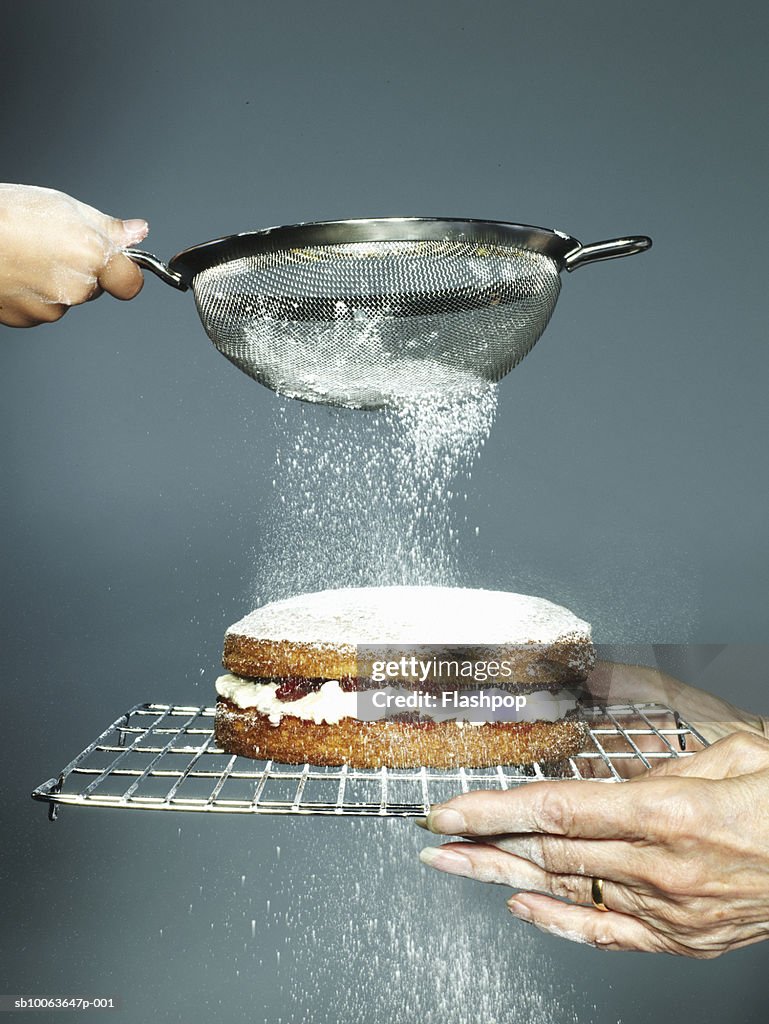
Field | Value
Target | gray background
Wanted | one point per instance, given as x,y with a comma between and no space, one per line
625,475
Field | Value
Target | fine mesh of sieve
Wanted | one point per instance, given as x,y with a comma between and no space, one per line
378,323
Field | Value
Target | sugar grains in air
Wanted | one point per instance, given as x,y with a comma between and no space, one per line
367,498
370,499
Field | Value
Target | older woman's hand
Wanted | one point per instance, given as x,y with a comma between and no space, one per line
56,252
683,851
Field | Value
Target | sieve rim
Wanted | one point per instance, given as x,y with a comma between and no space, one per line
546,241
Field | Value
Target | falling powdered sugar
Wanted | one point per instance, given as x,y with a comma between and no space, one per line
370,936
375,500
371,499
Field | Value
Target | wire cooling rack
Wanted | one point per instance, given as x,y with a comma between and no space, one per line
163,757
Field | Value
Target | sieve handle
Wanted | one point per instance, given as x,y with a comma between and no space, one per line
608,250
158,267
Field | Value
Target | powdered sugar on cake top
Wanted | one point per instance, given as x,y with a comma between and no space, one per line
412,615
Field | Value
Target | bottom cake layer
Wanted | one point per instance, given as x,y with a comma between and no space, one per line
396,744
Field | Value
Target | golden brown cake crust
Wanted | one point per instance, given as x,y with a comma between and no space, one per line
281,659
395,744
565,662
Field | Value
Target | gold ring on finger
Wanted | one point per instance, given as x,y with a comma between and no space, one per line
596,894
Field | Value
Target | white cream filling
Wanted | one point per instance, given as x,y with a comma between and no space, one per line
328,704
331,703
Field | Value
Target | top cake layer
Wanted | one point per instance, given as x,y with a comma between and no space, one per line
316,635
411,615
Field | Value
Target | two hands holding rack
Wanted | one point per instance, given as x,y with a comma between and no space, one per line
676,861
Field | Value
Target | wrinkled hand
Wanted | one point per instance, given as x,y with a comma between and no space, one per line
683,851
56,252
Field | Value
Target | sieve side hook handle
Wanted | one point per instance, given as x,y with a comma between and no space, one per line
608,250
158,267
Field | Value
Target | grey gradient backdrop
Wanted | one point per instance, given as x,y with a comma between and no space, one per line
626,474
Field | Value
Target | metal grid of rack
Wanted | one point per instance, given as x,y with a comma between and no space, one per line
164,757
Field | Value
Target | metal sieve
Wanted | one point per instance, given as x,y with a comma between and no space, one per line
375,313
